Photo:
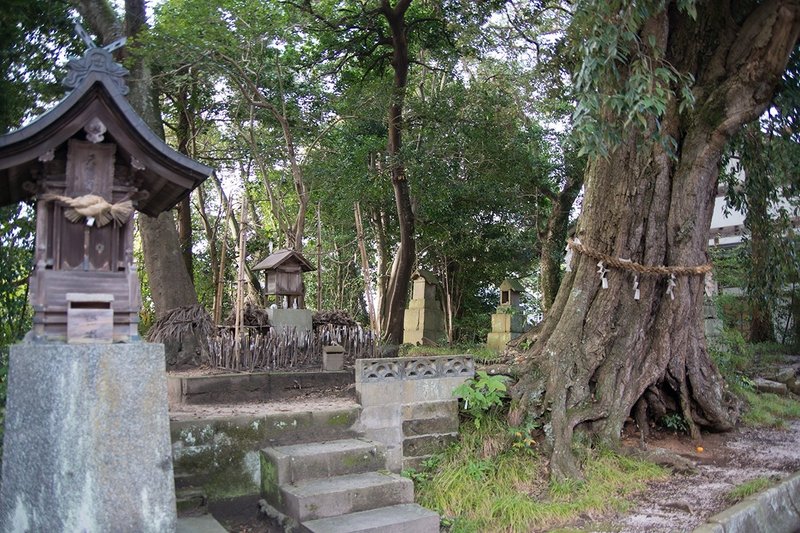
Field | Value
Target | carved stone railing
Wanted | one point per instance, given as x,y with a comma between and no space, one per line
452,366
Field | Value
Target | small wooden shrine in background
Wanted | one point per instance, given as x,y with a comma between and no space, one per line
508,321
423,320
284,277
90,162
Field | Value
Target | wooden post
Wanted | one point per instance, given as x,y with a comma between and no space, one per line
220,289
240,284
365,271
319,261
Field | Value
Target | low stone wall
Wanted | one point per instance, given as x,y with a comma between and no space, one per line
258,386
220,456
775,510
408,404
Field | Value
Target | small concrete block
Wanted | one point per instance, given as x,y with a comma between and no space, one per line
332,362
390,436
321,498
379,392
415,463
403,518
429,426
381,416
427,444
435,409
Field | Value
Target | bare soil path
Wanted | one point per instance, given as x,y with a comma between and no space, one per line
684,501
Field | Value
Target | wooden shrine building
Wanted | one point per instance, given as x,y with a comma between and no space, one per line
89,163
284,272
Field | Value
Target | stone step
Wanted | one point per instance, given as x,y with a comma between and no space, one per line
322,498
190,500
402,518
301,462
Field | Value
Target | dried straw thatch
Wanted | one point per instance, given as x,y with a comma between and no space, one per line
180,323
252,316
333,318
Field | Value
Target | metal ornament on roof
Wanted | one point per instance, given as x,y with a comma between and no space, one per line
96,59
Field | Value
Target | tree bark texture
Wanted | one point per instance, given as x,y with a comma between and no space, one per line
600,352
400,278
170,284
554,239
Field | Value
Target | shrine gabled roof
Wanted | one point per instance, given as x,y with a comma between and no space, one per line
511,285
167,175
280,257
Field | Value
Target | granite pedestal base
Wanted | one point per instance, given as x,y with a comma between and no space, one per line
87,442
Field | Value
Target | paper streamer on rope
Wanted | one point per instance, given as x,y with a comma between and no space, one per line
671,287
570,253
601,269
636,292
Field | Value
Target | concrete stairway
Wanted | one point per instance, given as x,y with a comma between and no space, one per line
341,486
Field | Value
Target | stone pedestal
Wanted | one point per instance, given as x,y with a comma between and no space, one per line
505,327
283,320
423,321
87,440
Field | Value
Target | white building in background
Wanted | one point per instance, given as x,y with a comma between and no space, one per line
727,225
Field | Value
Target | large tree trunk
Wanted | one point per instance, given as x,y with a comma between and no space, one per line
601,351
400,278
170,284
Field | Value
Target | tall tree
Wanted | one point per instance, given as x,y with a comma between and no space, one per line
603,354
170,284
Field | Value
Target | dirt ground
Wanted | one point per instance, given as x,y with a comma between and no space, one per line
684,501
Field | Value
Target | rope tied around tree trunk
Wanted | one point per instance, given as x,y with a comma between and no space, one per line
626,264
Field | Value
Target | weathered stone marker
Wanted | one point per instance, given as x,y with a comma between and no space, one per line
87,443
508,322
423,320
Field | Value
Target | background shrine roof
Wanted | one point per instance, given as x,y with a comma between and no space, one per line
281,257
167,175
511,285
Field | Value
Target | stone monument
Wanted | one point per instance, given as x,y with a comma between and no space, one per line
423,321
508,322
87,443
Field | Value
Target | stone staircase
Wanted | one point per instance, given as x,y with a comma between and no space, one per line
341,486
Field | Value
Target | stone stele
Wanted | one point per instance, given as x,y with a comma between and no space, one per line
87,444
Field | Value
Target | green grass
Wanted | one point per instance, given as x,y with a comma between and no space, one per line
768,410
484,483
748,488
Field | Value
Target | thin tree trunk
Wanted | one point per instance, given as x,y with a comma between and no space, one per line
554,238
365,270
404,260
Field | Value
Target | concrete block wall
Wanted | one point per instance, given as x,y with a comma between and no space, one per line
407,403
